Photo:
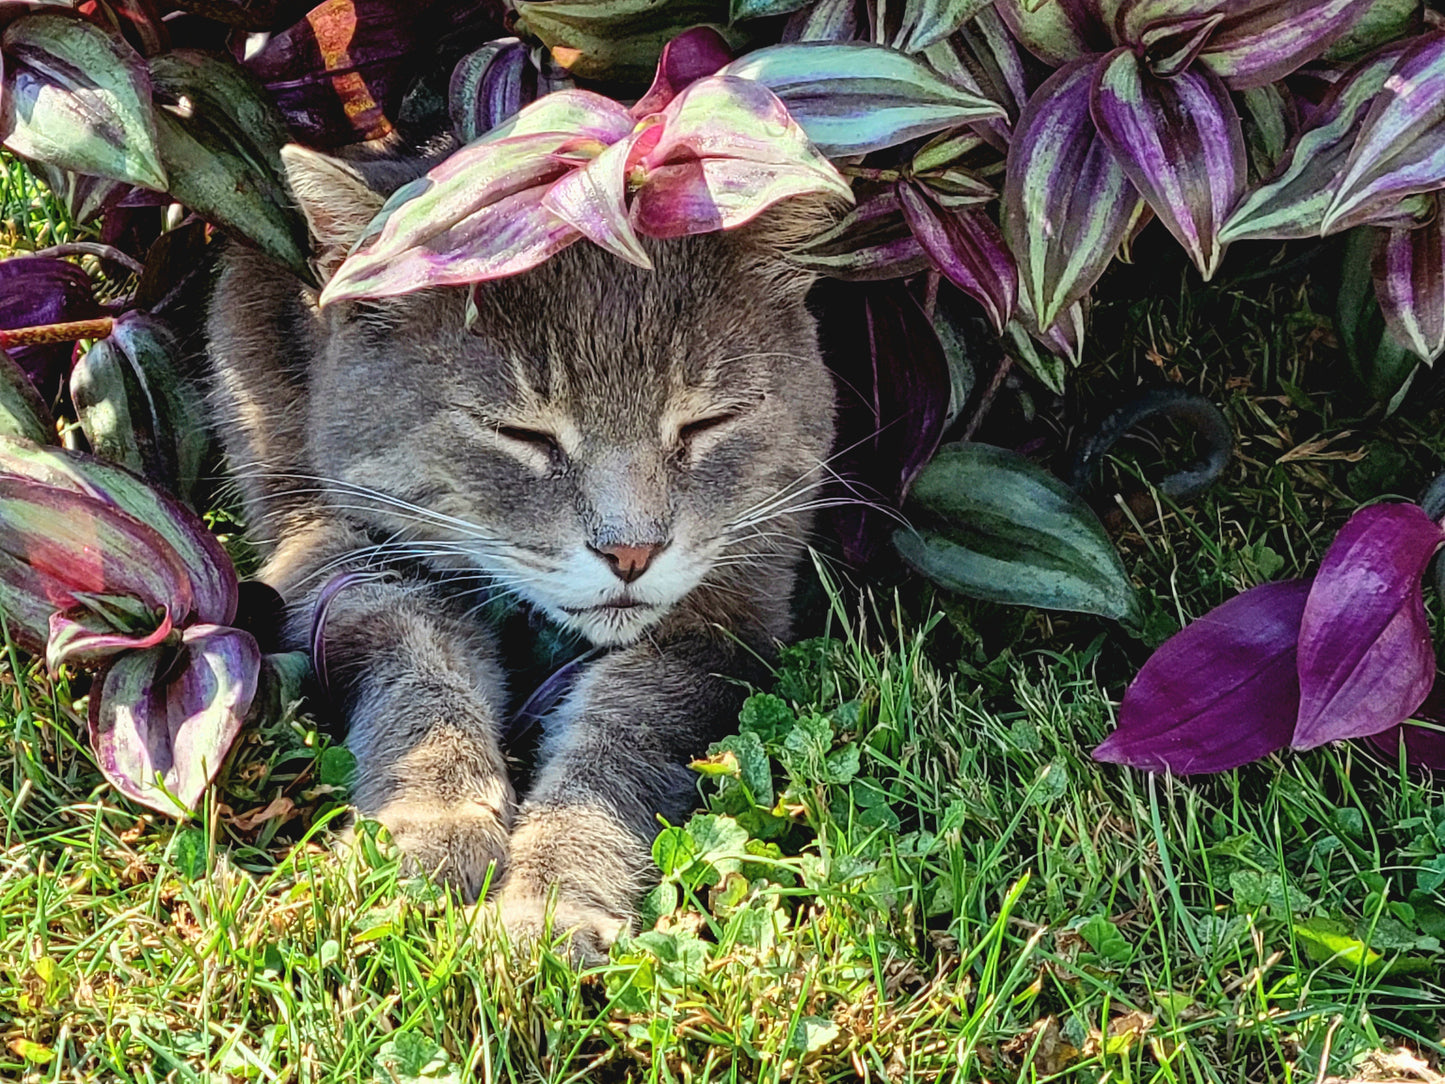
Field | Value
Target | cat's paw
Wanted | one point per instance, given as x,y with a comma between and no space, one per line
585,930
463,846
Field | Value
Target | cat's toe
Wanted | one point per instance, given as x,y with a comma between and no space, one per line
584,930
463,846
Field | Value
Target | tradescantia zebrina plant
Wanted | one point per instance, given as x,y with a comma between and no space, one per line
989,159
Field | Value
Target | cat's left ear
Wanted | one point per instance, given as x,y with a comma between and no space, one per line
784,228
336,200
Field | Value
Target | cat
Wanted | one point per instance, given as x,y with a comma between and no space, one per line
631,453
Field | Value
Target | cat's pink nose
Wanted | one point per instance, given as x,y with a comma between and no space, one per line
629,562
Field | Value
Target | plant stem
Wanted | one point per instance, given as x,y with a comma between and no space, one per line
96,249
45,334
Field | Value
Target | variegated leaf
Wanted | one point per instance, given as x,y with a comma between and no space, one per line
1180,142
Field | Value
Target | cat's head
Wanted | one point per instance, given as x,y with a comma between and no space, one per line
606,441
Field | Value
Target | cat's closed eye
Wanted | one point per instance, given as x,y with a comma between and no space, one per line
535,438
694,429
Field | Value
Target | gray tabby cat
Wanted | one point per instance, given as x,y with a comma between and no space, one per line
630,452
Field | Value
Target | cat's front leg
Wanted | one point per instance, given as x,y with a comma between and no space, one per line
423,695
615,757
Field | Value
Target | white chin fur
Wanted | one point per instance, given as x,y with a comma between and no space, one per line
609,628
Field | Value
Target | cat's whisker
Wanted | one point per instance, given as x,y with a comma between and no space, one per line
324,485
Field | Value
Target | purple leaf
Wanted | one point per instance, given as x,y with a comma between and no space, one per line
1401,146
1171,47
1292,203
338,75
968,249
690,56
1221,692
1180,142
1409,267
60,545
79,98
1423,734
87,636
163,719
487,86
1260,41
725,150
1365,658
856,98
38,290
1067,203
478,215
894,388
208,569
593,199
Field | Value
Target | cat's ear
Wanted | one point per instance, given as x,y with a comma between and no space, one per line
780,231
334,197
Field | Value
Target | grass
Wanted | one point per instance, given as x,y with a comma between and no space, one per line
906,867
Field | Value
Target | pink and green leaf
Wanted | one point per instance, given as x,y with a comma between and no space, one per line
208,569
61,545
727,150
1180,142
1365,657
1067,203
593,199
480,215
162,720
1172,719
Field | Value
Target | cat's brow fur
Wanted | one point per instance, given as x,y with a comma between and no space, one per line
386,434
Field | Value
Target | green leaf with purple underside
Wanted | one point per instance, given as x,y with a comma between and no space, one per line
993,525
1180,142
927,21
83,636
79,98
967,248
1055,31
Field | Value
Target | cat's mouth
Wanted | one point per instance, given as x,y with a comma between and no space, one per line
616,605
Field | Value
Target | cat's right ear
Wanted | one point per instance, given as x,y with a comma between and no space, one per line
336,200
